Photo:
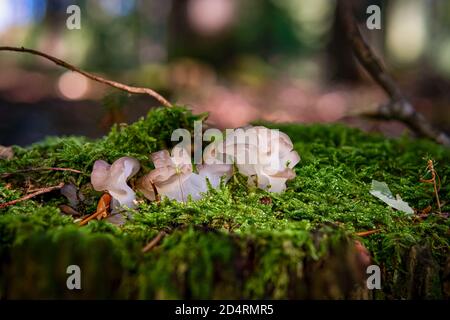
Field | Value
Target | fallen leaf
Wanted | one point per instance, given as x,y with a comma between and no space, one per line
382,192
68,210
102,211
70,191
6,153
103,206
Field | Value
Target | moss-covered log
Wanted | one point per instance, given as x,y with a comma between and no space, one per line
237,242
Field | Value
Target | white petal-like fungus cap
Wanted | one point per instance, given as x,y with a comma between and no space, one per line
173,176
169,176
215,173
266,156
113,179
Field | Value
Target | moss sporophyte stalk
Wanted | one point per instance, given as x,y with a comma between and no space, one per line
238,240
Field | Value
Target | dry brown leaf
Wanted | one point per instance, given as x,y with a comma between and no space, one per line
6,153
103,208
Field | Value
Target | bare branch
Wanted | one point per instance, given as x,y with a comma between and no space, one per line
398,108
114,84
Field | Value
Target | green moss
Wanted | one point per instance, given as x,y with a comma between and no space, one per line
137,140
234,243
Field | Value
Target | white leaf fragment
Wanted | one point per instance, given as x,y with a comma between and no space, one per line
382,192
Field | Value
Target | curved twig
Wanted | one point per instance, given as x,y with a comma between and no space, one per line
398,108
114,84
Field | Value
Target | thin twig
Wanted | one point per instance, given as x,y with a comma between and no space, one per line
398,107
434,175
32,195
367,233
92,216
114,84
154,241
7,174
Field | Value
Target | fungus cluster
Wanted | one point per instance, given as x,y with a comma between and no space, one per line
265,156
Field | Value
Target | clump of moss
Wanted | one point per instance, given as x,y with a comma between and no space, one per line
237,242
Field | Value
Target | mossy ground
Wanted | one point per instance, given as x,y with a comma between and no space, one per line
237,242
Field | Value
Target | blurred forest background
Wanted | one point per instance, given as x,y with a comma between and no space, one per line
282,61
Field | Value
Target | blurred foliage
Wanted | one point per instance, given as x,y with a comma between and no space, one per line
122,35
